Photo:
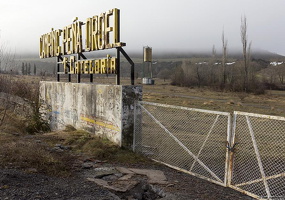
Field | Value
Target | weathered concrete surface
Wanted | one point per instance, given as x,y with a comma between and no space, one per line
106,110
123,177
118,186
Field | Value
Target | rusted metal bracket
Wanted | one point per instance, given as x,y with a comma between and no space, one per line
231,148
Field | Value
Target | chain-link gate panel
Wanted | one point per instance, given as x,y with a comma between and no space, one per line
258,167
190,139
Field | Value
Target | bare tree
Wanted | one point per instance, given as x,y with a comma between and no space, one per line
212,65
224,59
35,69
5,87
6,61
246,52
7,57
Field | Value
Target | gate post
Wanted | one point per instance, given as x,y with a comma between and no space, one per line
230,152
137,143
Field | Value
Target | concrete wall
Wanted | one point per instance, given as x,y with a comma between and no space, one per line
106,110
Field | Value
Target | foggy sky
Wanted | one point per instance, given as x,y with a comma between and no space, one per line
186,25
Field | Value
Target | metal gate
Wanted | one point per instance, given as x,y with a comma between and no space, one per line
191,140
258,162
249,157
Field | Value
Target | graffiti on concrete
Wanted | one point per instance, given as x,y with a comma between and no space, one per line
98,122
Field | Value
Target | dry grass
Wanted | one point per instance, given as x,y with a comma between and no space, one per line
36,153
271,103
82,142
12,123
20,150
27,153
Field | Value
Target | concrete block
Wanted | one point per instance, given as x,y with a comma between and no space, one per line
105,110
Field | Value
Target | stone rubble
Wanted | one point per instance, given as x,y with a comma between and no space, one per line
135,183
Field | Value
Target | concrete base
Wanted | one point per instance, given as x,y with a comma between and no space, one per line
105,110
147,81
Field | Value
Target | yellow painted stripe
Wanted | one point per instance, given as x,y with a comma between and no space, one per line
109,126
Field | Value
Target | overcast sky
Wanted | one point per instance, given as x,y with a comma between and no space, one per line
164,25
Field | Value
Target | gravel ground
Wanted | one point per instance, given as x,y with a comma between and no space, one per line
187,187
18,185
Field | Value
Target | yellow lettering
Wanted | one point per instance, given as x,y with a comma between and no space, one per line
116,13
97,66
55,47
77,68
103,66
42,46
67,48
88,34
65,65
76,37
112,65
46,45
108,29
82,62
71,65
94,28
100,66
101,30
92,67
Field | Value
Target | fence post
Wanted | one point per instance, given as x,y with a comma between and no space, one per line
135,126
230,151
137,139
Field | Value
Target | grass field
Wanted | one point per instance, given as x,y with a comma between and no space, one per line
271,103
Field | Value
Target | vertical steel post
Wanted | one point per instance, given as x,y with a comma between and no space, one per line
78,74
69,77
132,65
57,69
150,69
230,152
135,125
143,66
118,77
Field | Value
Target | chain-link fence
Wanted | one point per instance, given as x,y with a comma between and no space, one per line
249,157
258,166
193,140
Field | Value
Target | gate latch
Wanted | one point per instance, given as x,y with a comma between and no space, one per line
231,149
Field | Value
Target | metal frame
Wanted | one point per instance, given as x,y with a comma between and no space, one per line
80,56
118,73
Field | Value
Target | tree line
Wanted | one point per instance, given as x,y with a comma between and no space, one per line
220,73
26,69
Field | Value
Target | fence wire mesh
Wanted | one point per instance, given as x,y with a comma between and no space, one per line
259,155
190,139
